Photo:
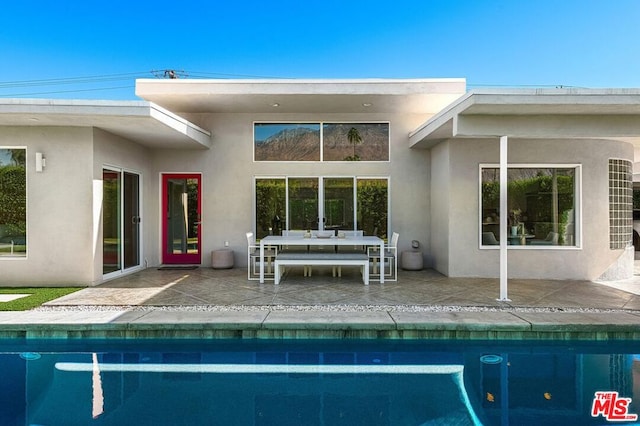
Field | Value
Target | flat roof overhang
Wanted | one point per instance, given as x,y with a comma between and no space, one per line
419,96
139,121
536,114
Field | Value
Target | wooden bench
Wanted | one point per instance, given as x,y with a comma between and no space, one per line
327,259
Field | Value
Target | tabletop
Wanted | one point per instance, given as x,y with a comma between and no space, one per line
368,240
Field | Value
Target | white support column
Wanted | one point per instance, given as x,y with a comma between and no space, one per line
503,219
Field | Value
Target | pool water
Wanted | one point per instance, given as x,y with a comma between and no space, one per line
312,382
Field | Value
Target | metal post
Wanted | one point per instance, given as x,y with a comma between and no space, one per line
503,219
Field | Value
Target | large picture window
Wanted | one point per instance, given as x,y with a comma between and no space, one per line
326,203
13,202
321,141
542,205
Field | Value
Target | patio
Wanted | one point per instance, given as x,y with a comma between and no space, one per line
419,289
211,304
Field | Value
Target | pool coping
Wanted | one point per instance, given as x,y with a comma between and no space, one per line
317,324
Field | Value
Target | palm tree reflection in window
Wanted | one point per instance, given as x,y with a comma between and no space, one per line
354,139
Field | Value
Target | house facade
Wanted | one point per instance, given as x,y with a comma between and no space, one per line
93,190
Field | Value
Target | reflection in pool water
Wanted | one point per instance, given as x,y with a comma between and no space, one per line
312,382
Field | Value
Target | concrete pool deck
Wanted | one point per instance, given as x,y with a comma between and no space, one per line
207,303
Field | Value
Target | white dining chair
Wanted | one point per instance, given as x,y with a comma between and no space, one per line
253,258
389,258
349,249
294,248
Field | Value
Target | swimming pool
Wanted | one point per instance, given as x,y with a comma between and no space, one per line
256,382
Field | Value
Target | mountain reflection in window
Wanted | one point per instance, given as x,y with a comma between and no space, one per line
340,141
286,142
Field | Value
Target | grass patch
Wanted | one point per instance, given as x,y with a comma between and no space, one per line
37,296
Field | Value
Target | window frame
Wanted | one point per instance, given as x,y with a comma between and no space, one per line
321,124
577,205
321,179
121,171
14,257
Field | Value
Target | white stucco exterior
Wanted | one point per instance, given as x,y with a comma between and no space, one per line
439,137
586,261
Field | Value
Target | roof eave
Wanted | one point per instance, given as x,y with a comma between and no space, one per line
523,103
139,121
419,96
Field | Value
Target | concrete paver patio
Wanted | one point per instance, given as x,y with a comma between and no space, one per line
208,303
230,287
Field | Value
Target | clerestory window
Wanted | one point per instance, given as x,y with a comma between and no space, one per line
321,141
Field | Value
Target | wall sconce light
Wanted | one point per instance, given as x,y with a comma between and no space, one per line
41,162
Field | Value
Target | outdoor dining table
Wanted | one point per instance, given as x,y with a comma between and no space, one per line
300,240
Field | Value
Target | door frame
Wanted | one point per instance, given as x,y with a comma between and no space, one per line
321,197
179,259
124,270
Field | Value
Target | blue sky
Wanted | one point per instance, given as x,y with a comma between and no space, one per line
264,131
5,157
96,49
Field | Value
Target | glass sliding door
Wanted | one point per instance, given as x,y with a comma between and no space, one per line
318,203
338,203
303,203
111,222
120,220
271,209
181,206
321,203
373,206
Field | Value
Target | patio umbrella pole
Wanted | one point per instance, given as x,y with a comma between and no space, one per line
503,219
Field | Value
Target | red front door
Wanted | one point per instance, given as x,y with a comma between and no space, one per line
181,212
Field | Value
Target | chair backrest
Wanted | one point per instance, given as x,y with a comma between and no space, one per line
394,240
250,240
489,239
552,237
352,233
324,232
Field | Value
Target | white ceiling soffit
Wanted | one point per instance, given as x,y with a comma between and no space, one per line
542,113
420,96
139,121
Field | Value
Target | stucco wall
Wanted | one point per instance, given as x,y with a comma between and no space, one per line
228,176
587,262
434,196
59,245
440,206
